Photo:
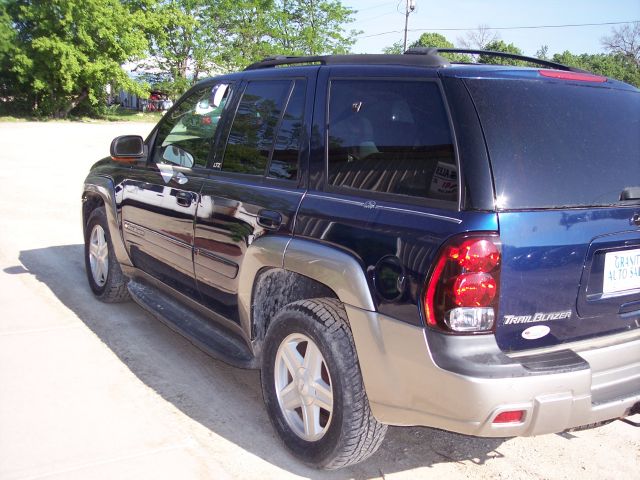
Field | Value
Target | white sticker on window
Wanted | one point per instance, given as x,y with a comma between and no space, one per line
444,180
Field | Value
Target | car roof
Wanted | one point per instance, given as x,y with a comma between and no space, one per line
430,58
416,56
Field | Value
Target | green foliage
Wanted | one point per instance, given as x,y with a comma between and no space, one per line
395,49
246,32
439,41
59,55
205,37
303,27
543,52
432,40
7,40
621,64
618,66
65,52
501,46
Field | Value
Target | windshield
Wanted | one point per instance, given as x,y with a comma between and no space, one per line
559,144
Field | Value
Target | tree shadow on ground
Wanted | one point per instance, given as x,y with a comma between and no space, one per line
224,399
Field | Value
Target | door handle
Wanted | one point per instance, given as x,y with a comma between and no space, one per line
184,199
269,219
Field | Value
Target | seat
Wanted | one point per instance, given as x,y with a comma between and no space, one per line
354,134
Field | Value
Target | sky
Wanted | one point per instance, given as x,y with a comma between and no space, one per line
376,17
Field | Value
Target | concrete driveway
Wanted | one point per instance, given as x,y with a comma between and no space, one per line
93,391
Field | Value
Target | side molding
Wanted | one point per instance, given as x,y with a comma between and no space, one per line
103,187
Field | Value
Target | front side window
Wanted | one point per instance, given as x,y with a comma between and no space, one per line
286,151
254,127
184,137
391,136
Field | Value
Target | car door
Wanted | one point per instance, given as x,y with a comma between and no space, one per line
256,183
159,200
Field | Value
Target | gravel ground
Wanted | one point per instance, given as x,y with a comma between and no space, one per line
94,391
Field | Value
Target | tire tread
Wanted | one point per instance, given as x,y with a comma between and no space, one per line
115,289
363,433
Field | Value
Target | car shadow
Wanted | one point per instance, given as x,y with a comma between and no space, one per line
224,399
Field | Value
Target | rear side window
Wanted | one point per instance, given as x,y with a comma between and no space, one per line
254,127
559,144
391,136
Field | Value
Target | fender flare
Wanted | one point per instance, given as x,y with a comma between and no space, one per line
104,188
338,270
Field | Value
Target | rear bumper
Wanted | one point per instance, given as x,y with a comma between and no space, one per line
413,378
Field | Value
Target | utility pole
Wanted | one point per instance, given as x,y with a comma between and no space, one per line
410,6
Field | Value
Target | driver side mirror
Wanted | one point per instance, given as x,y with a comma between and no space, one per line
127,149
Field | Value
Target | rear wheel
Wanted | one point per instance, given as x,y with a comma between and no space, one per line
103,271
313,387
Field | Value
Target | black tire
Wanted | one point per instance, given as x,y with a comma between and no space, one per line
352,434
112,288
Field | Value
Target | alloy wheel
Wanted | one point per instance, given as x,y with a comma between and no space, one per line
303,387
99,255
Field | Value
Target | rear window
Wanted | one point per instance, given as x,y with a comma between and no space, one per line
556,144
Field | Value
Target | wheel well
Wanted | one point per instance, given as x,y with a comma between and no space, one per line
90,201
274,288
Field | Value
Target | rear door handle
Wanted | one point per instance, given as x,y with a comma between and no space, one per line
184,199
269,219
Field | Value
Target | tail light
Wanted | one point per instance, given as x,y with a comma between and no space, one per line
462,291
575,76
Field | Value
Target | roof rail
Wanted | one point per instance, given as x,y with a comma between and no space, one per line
491,53
431,60
284,60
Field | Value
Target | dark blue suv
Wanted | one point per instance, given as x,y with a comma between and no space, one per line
392,240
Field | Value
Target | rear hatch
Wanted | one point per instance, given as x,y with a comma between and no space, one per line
565,155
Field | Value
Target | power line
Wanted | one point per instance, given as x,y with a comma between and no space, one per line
366,20
373,7
526,27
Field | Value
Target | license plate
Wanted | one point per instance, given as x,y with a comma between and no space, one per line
621,271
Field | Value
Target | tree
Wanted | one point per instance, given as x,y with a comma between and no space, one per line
182,42
312,27
66,52
190,38
543,52
437,40
501,46
478,38
625,41
395,49
7,41
616,66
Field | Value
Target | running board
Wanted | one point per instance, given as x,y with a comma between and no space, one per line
215,341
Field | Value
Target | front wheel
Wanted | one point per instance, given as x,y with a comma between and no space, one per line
103,271
313,389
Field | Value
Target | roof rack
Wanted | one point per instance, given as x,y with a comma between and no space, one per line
416,56
432,60
491,53
284,60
